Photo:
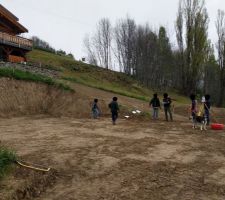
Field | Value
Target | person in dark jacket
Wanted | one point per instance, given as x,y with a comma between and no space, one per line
207,106
155,104
95,109
193,109
114,109
167,106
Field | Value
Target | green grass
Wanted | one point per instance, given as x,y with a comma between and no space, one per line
104,87
7,158
27,76
53,61
96,77
133,90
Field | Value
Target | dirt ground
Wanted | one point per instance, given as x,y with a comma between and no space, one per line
133,160
91,159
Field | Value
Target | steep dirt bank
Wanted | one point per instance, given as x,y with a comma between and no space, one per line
18,98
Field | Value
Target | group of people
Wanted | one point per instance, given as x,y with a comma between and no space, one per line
113,105
197,111
202,110
156,105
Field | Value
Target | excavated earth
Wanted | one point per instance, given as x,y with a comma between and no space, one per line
91,159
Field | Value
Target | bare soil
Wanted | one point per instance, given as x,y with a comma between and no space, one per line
133,160
92,160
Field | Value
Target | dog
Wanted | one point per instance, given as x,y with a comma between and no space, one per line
199,119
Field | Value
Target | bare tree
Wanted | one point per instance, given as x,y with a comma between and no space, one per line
146,56
180,54
91,55
220,26
99,46
125,33
103,42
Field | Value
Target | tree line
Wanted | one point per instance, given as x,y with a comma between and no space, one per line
45,46
193,65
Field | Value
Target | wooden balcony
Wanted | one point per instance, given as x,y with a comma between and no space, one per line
15,41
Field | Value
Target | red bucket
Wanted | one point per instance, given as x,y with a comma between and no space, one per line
217,126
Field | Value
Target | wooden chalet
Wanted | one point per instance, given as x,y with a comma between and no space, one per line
13,47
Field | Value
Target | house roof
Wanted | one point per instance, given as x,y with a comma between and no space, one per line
12,19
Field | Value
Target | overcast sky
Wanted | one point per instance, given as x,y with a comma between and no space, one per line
64,23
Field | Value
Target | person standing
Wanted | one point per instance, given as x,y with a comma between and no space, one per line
155,104
167,106
95,109
114,107
207,106
193,109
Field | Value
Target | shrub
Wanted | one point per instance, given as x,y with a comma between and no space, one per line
7,158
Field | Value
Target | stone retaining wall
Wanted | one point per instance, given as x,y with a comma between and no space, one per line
31,68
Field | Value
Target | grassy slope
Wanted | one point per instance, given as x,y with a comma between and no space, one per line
79,72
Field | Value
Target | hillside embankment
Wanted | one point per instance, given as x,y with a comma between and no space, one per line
19,98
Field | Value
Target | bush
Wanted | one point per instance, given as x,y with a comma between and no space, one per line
7,158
